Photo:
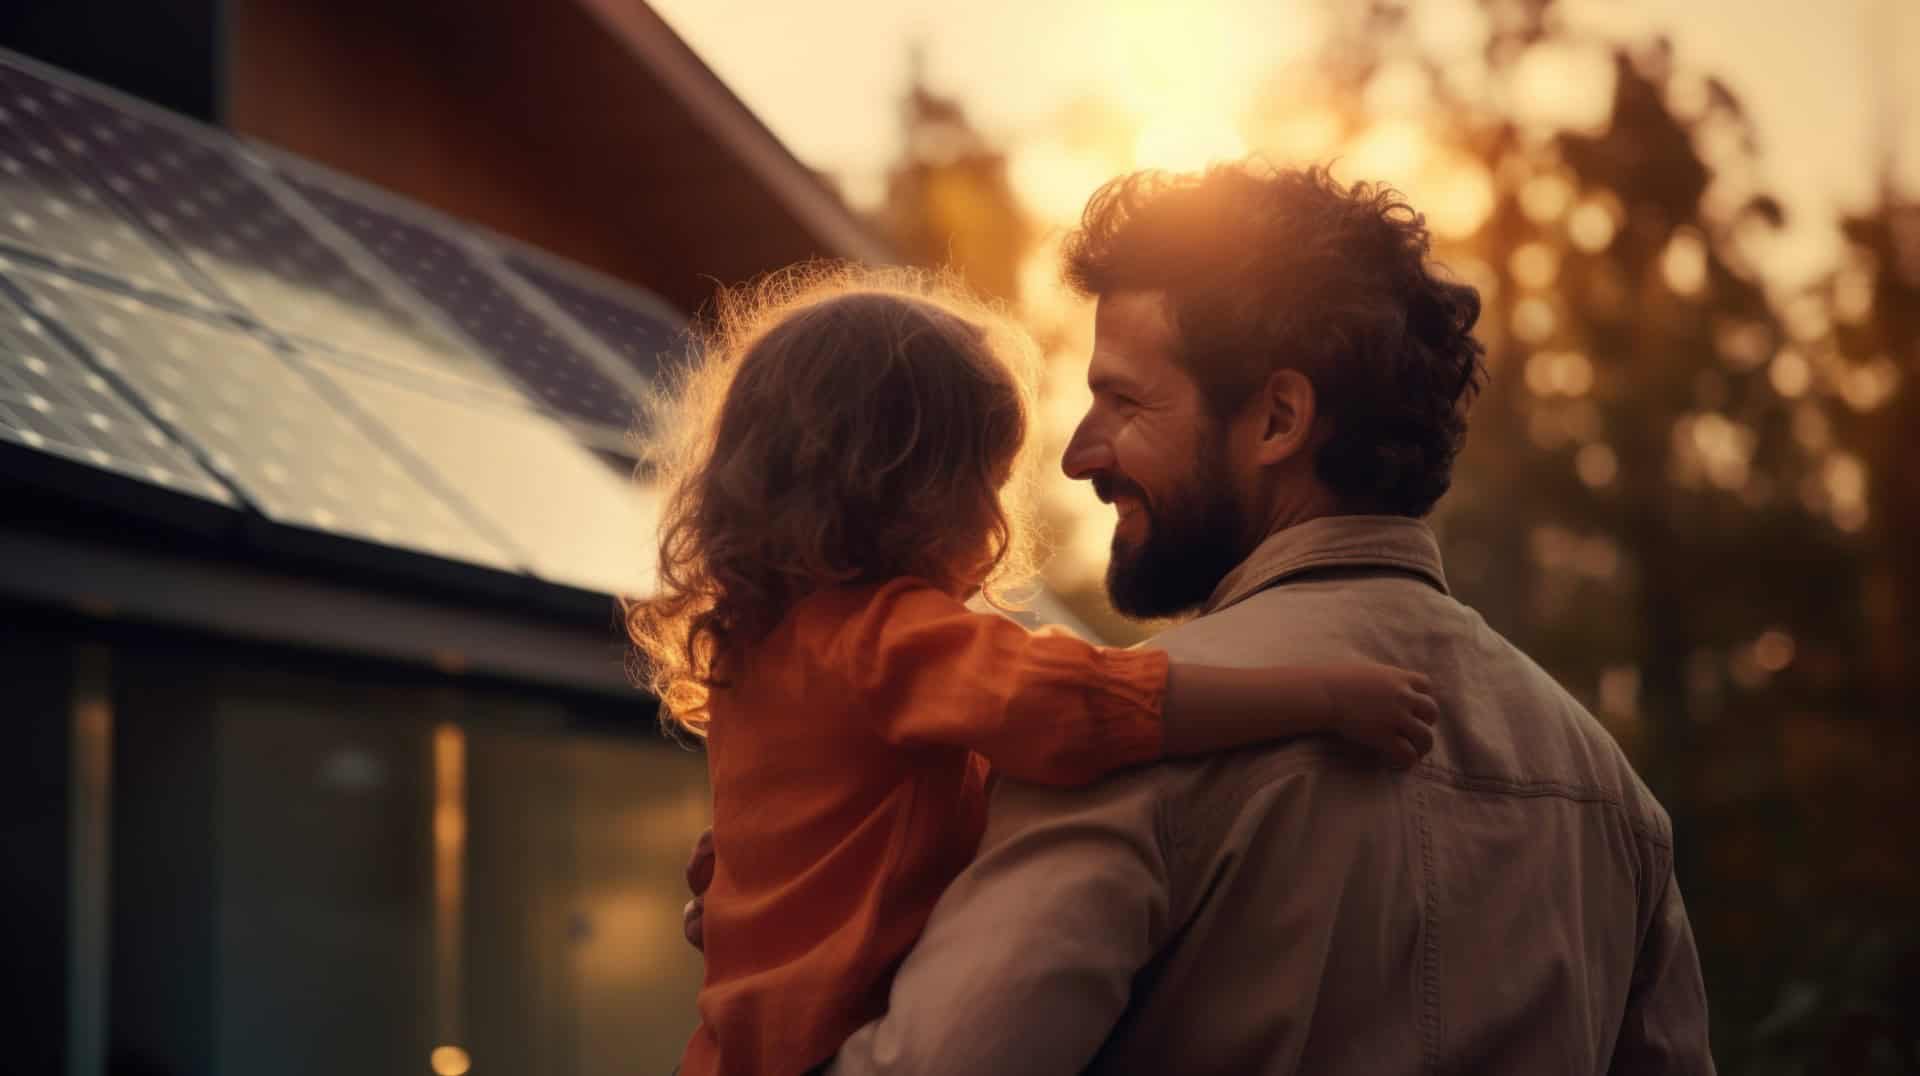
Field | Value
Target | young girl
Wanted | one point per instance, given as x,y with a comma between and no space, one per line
835,471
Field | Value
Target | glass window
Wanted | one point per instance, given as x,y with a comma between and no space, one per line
338,872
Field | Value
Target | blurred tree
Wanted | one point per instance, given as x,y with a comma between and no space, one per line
1878,299
1691,483
948,200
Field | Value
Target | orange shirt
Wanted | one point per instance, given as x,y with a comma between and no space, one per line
849,766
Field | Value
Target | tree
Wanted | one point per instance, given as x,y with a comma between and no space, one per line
948,200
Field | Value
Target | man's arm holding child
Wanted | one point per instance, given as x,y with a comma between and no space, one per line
1028,960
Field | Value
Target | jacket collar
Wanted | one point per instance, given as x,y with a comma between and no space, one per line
1392,543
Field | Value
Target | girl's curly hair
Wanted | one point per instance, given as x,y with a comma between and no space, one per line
838,425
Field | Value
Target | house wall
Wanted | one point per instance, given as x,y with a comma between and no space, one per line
533,119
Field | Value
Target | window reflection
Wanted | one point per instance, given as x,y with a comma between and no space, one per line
402,878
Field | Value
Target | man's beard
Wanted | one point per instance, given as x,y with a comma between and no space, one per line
1195,536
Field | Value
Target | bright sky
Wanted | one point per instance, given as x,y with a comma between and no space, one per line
827,75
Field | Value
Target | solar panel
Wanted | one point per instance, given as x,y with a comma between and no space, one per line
52,401
580,523
194,188
198,314
633,325
448,274
262,424
47,209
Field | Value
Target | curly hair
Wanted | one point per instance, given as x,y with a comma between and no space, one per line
1268,268
838,426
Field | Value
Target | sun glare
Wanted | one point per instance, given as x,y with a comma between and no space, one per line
1391,151
1187,142
1054,181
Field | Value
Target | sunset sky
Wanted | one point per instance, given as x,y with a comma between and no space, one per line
827,75
1079,90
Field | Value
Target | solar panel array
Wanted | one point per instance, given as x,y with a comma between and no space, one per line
240,328
216,208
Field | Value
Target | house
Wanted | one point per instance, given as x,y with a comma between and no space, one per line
315,393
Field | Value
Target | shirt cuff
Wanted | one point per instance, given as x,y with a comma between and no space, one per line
1132,685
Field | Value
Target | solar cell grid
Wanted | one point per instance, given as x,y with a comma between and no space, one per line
261,424
47,208
51,400
638,330
483,308
197,191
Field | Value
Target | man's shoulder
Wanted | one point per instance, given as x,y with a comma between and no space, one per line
1507,723
1137,792
1309,620
1150,798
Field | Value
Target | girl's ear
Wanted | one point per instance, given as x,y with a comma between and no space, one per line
1288,409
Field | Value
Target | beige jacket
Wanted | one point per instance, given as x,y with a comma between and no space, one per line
1508,906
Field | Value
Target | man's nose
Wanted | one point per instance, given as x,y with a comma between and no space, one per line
1088,453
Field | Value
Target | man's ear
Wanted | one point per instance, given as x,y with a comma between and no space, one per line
1288,409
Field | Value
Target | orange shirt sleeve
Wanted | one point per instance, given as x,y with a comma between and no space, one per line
1040,706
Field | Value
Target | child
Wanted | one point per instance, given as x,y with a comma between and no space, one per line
835,472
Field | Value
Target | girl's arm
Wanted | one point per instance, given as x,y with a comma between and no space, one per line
1049,708
1209,708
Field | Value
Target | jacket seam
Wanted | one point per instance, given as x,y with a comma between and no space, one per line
1417,566
1430,1027
1547,788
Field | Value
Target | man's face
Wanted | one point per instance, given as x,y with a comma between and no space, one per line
1152,450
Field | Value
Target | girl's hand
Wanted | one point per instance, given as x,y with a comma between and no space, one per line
699,877
1386,709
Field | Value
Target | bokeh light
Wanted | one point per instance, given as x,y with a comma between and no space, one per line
1871,384
1564,86
1853,294
1546,197
1534,265
1559,373
1773,651
1592,225
1684,262
1790,373
1597,465
1456,193
450,1061
1534,319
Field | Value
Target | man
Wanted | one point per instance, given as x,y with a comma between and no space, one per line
1280,387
